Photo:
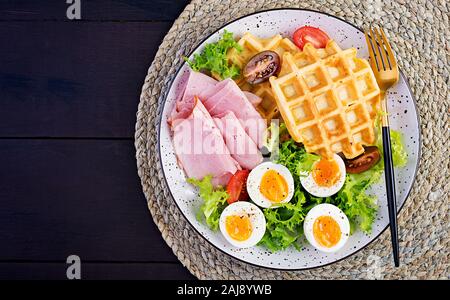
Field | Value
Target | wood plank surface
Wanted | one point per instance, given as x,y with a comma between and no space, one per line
97,271
97,10
74,79
69,92
83,197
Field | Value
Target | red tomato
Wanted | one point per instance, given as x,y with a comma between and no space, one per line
237,187
313,35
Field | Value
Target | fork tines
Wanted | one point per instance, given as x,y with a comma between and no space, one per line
380,49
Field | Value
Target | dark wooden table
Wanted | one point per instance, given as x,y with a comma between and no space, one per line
69,91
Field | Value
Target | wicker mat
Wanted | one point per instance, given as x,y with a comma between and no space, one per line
419,34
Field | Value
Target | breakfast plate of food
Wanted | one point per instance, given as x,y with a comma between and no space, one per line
270,143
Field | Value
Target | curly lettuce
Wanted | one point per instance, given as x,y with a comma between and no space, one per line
399,155
359,207
214,201
213,58
295,158
285,223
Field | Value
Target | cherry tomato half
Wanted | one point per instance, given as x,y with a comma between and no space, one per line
237,187
309,34
364,162
261,66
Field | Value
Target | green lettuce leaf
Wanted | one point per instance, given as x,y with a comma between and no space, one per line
359,207
285,223
294,156
214,201
306,163
399,155
353,199
214,58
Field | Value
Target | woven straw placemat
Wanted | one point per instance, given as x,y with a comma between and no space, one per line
419,35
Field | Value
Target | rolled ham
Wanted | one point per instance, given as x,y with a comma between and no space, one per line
200,147
242,148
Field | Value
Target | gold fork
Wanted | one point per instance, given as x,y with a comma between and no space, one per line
385,69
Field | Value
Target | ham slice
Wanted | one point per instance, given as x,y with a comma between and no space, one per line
200,147
218,98
242,148
253,99
230,98
192,84
219,146
196,84
210,91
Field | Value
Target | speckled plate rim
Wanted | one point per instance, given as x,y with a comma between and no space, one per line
159,122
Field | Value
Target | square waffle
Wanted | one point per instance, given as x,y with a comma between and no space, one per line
252,45
328,99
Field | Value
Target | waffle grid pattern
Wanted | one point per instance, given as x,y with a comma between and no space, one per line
328,99
252,45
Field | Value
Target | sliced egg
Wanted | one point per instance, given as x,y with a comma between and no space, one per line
326,227
270,184
326,177
242,224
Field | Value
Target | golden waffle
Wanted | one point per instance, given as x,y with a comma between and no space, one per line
252,45
329,99
268,108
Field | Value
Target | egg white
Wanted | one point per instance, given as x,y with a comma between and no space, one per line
310,185
254,181
326,210
257,219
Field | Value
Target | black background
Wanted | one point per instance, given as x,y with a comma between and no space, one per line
69,92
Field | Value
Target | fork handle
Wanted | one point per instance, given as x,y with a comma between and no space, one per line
390,192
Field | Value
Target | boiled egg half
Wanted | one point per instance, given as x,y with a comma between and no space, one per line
326,228
326,178
270,184
242,224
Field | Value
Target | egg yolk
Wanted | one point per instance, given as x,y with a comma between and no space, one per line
326,172
326,231
273,186
238,227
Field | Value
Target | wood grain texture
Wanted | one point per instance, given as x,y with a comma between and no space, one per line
92,10
102,271
74,79
83,197
69,92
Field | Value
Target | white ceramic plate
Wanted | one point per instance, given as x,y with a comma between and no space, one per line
403,117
